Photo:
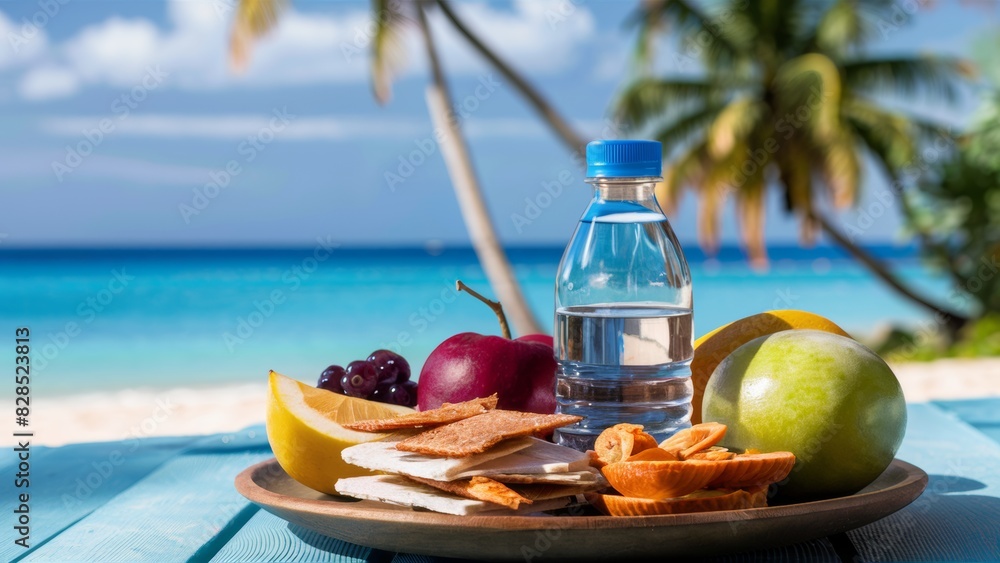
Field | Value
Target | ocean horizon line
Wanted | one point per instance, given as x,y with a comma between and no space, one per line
725,253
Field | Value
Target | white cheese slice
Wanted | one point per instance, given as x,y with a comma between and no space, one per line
540,457
383,456
520,456
401,491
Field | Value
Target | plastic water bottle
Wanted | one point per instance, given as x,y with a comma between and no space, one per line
623,327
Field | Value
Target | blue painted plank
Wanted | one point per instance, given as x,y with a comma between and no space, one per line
269,538
958,516
818,551
185,510
981,414
69,482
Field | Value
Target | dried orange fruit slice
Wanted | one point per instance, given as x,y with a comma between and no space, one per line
698,501
691,440
653,454
715,453
660,479
751,470
620,442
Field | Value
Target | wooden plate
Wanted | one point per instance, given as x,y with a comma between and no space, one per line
400,529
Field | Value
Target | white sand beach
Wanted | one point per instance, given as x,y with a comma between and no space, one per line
142,413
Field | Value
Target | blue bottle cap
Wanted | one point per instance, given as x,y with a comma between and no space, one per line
624,159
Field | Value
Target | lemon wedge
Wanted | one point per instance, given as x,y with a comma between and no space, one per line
305,432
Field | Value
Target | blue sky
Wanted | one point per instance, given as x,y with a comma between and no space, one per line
297,144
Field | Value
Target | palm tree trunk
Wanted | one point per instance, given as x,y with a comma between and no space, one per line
470,197
559,125
953,322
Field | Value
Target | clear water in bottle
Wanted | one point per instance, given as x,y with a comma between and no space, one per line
623,319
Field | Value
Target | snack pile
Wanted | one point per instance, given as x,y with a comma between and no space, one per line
687,472
470,458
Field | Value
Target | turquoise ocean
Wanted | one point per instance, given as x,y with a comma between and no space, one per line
106,319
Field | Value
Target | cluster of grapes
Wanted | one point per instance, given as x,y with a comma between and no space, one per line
383,377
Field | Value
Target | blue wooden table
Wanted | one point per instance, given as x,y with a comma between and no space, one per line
172,499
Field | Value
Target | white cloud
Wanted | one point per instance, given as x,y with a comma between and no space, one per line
238,127
301,128
303,48
47,82
114,52
36,166
20,43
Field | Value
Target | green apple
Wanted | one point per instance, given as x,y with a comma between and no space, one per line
828,399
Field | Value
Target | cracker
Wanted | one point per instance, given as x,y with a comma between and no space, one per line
445,414
481,432
479,488
572,478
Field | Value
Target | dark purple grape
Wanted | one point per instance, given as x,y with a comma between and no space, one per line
360,379
330,379
381,393
404,394
391,367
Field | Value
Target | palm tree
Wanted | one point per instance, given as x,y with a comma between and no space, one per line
256,17
786,99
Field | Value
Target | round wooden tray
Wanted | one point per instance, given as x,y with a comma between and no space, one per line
401,529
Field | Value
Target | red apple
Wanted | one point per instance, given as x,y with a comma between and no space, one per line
470,365
545,339
467,366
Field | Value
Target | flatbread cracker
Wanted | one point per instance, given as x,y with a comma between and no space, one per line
399,491
481,432
445,414
572,478
479,488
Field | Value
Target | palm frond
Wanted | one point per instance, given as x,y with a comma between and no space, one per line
679,130
750,208
931,75
649,98
388,53
795,174
890,137
253,19
846,24
713,196
688,22
687,170
733,124
775,24
810,85
840,169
